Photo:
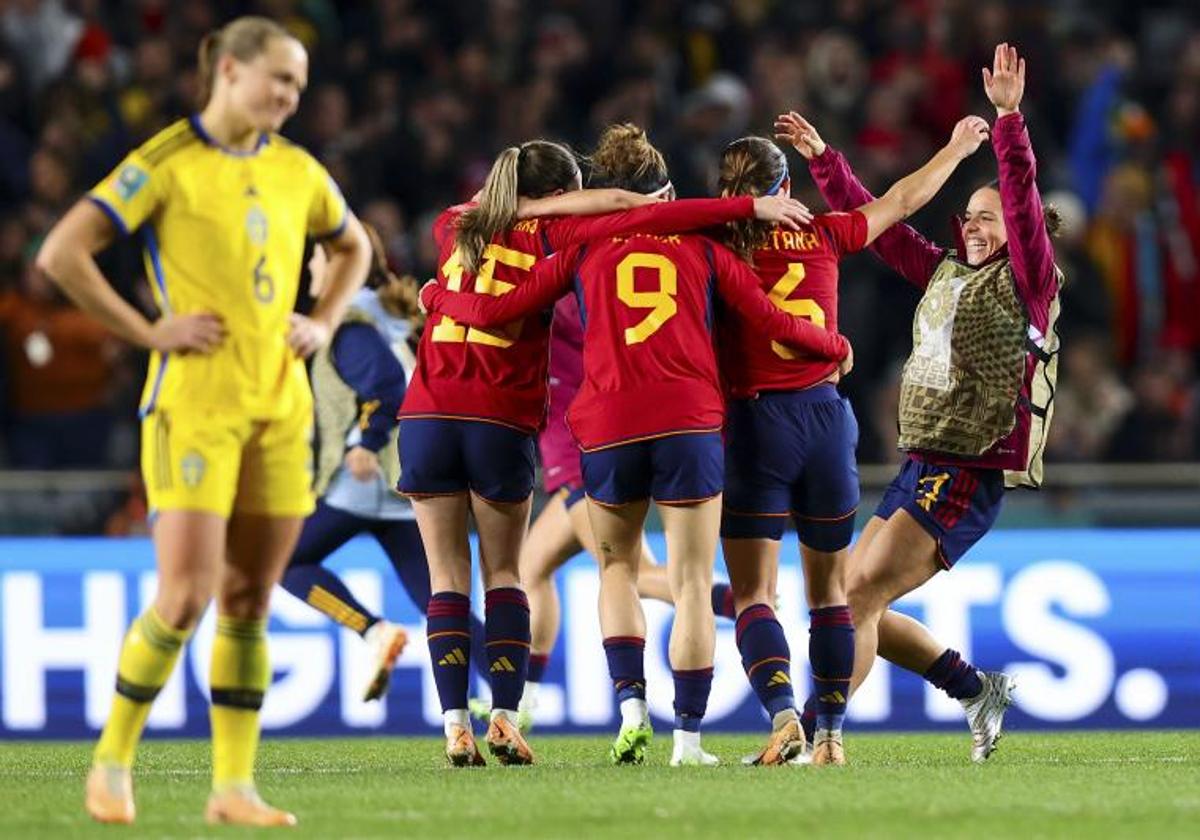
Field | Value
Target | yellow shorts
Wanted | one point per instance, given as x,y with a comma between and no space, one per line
225,463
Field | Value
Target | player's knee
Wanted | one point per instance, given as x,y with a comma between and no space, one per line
693,592
502,578
825,589
749,590
865,596
181,606
243,598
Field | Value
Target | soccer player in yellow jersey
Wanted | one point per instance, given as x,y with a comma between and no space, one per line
224,206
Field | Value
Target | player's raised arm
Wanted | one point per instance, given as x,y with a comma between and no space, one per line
900,246
1029,245
739,287
914,191
67,257
549,280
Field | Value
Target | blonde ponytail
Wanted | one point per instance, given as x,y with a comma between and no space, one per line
496,212
244,38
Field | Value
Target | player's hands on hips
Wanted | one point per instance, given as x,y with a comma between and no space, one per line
201,332
847,364
794,129
362,463
783,211
1004,84
968,134
307,335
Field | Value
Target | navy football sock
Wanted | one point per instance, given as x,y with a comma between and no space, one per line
324,590
722,601
808,718
766,658
955,676
691,697
831,652
626,666
537,667
448,629
506,616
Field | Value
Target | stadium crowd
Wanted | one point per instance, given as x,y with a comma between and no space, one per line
409,102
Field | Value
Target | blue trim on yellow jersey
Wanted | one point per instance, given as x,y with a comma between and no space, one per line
337,231
197,127
111,212
160,280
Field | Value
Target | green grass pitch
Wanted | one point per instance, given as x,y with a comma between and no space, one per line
1144,784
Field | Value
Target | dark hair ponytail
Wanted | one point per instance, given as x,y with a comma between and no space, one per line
750,166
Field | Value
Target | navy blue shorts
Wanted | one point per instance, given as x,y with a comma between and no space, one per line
444,457
791,453
572,494
675,469
955,505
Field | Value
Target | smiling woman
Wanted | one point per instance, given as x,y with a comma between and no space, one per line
224,206
975,399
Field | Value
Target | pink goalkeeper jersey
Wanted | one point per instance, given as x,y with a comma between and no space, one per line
560,453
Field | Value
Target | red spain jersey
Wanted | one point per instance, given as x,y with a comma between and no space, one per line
647,307
499,373
798,271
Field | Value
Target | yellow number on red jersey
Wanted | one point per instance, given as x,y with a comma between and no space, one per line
661,301
448,329
804,307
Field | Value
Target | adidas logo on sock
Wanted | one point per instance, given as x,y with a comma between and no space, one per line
502,664
454,657
779,678
833,697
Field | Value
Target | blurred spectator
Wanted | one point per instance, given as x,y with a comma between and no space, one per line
1086,298
59,368
1161,427
1090,404
44,35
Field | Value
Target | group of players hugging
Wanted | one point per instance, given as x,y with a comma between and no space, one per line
687,351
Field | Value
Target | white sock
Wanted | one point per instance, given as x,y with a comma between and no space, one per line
371,637
634,712
529,696
782,717
687,740
509,715
455,717
823,734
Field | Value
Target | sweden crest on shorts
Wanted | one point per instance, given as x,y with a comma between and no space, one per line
192,467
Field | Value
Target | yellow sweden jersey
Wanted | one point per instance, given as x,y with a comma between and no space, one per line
224,232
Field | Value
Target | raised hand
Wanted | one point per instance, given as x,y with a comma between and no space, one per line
794,129
1005,83
968,134
783,211
202,332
